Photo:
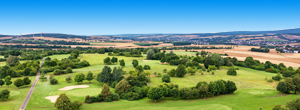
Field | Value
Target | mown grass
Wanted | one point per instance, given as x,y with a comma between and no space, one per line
253,92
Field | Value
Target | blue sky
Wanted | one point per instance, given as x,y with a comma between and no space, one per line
103,17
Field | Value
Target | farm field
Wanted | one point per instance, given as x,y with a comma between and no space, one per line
253,92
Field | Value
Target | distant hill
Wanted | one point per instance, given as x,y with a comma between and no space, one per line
56,35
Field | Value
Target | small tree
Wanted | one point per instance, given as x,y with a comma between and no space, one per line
135,63
155,94
122,62
4,94
114,59
172,73
53,81
165,70
231,71
79,78
165,78
212,87
278,77
282,87
12,60
175,93
185,93
7,80
105,91
107,60
139,68
191,70
69,70
62,102
181,71
69,79
26,81
147,67
122,87
1,82
89,76
18,83
150,54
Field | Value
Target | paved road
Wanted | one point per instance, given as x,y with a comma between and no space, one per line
32,87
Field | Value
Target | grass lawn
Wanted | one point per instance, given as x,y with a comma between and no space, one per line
253,92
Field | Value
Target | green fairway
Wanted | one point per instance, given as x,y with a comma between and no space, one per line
253,92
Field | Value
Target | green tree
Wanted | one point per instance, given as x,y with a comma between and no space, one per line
69,79
172,73
62,102
212,87
150,54
122,87
74,54
7,80
174,93
220,87
203,90
114,59
290,85
231,87
106,60
26,81
296,82
212,67
185,93
4,94
89,76
105,91
293,105
231,71
79,78
69,70
105,75
180,71
147,67
166,78
282,87
122,62
135,63
155,93
12,60
139,68
18,83
1,82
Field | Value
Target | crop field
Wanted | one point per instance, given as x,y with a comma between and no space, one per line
253,92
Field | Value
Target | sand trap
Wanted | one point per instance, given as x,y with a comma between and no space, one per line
73,87
52,98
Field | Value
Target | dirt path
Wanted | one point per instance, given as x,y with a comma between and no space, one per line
32,88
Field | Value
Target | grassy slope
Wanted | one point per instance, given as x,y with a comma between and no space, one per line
251,94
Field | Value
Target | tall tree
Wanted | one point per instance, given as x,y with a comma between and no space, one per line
150,54
114,59
135,63
282,87
296,81
105,91
122,87
62,102
180,71
89,76
212,88
26,81
106,60
122,62
105,75
7,80
290,85
18,83
74,54
12,60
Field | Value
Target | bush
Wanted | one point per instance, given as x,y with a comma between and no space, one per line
69,79
147,67
114,97
75,105
277,77
53,81
69,70
165,78
231,71
131,96
158,75
172,73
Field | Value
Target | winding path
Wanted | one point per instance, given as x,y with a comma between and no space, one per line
32,88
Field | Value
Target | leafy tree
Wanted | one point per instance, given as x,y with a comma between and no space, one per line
107,60
203,90
185,93
114,59
150,54
212,87
62,102
155,93
165,78
12,60
278,107
220,87
194,93
174,93
139,68
282,87
290,85
69,70
105,91
74,54
26,81
79,78
172,73
165,70
278,77
231,71
135,63
208,61
27,71
296,82
203,53
122,87
4,94
180,71
53,81
212,67
18,83
69,79
1,82
122,62
147,67
117,74
105,75
89,76
7,80
231,87
293,105
191,70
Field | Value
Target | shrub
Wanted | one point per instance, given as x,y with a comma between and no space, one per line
158,75
172,73
114,97
53,81
69,79
165,78
147,67
131,96
231,71
277,77
69,70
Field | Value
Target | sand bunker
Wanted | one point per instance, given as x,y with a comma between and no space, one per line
52,98
73,87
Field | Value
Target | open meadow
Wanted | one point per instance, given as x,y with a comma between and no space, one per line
253,91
